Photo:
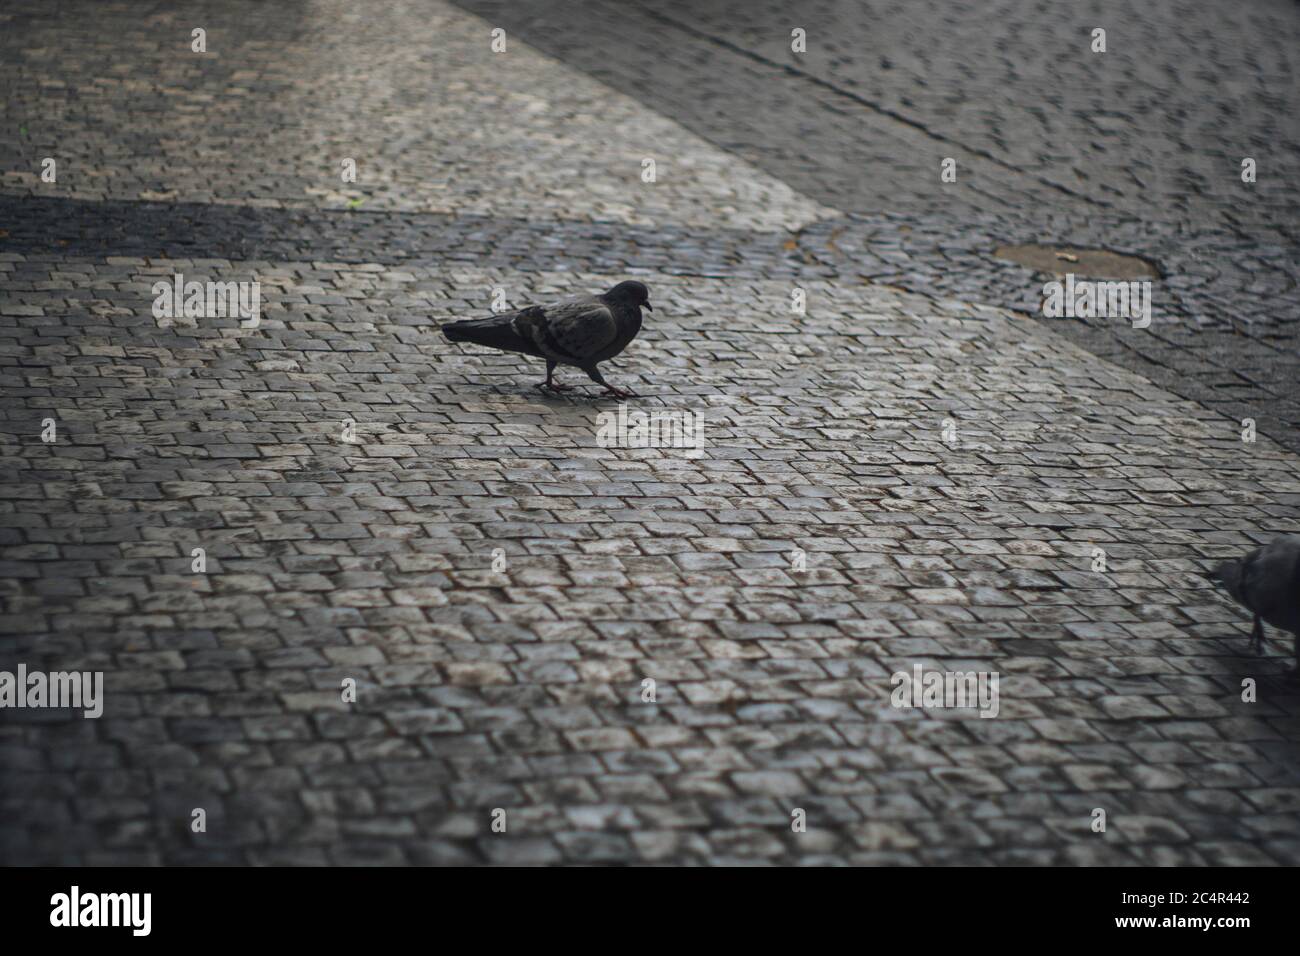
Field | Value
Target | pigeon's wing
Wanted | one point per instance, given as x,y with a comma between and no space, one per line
574,331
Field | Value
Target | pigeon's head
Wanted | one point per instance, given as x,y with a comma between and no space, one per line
630,293
1228,576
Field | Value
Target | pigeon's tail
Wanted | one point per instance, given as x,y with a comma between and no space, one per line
496,332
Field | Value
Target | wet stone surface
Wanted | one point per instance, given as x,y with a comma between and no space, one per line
379,507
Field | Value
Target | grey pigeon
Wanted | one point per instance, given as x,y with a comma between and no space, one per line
1267,583
581,331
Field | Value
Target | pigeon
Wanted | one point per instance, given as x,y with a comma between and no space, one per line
581,332
1267,582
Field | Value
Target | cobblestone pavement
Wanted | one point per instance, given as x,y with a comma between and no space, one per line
948,470
1137,150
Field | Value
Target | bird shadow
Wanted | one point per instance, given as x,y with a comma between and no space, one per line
577,394
1282,679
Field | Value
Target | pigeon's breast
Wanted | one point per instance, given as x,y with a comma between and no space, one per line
629,327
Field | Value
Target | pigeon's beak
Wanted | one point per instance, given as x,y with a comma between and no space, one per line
649,306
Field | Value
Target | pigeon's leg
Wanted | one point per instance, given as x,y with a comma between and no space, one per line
548,384
1258,635
599,379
